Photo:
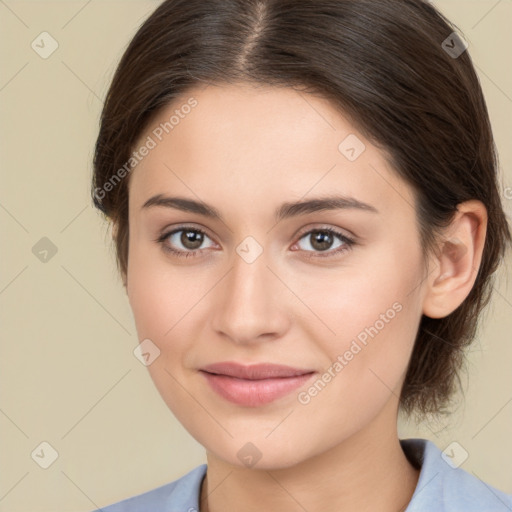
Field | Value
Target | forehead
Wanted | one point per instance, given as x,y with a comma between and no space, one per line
260,143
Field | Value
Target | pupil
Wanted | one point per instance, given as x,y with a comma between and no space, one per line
191,239
322,240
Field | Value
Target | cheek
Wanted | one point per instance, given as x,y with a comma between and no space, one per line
168,308
367,320
152,303
348,300
160,301
365,360
160,296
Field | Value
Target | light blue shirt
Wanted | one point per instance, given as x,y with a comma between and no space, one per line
440,488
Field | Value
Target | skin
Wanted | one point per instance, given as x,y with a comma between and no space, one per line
245,151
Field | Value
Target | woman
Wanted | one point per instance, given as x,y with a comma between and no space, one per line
307,220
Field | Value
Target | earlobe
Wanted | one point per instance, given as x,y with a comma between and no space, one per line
457,260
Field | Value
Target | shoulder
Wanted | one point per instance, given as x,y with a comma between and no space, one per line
446,487
181,494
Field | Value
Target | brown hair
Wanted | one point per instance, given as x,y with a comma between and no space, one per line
386,64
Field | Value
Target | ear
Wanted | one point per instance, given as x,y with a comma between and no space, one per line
114,230
114,235
457,260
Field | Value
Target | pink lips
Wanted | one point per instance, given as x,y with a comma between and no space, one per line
254,385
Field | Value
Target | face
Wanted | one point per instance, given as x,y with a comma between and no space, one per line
334,292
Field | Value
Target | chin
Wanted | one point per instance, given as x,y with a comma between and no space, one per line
256,455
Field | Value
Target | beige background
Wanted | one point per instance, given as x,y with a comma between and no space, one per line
68,373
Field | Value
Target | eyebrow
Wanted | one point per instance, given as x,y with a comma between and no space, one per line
285,211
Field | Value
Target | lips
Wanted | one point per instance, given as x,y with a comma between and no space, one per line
255,371
254,385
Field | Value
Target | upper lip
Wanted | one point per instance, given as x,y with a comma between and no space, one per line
254,371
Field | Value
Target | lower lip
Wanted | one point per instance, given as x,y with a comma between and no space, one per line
253,393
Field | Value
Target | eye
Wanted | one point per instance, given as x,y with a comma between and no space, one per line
191,239
322,239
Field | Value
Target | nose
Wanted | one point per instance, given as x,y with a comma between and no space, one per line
250,302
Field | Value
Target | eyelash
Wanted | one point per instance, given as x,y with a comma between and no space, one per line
348,242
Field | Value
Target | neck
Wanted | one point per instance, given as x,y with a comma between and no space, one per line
368,471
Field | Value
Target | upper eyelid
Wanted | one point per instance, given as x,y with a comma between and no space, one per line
172,231
340,231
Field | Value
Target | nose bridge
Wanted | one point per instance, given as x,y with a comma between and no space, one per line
245,307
